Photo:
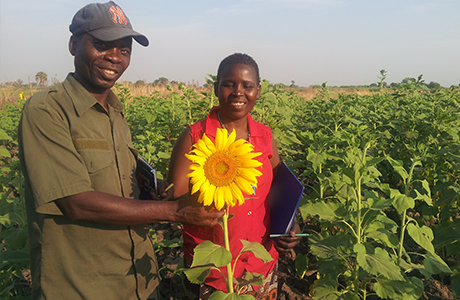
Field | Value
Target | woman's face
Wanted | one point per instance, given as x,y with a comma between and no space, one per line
238,89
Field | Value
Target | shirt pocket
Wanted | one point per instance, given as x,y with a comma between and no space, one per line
95,153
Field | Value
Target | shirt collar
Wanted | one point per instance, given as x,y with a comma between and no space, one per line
83,100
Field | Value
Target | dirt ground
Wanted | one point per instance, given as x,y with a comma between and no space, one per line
290,285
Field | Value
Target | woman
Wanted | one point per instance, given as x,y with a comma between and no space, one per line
238,87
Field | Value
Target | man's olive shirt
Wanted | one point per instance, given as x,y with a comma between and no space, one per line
69,144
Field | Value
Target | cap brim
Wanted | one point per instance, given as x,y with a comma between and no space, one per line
112,34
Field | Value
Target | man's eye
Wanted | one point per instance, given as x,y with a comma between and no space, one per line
100,46
125,51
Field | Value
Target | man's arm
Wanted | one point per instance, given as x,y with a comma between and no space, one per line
108,209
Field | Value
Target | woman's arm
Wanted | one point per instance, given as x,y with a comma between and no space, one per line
275,160
178,168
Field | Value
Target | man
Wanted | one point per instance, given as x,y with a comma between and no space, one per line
88,236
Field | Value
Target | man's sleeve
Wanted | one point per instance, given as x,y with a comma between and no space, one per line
53,166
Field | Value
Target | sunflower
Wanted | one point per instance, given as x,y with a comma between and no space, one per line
221,171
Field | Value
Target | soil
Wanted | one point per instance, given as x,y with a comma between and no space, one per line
291,286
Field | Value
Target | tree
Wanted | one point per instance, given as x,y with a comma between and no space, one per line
41,78
161,81
383,75
434,85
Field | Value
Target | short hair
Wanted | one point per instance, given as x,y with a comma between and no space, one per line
238,58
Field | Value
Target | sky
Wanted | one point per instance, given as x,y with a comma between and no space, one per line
340,42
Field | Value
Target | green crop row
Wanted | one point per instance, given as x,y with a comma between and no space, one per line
381,175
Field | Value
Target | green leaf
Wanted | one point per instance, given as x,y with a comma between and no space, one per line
15,256
382,236
398,167
4,152
434,264
378,263
17,238
198,274
333,246
376,202
316,158
10,219
301,264
422,236
409,289
400,201
210,253
326,211
258,250
219,295
424,197
251,278
455,280
4,136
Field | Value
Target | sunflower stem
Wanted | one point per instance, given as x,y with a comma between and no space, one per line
227,246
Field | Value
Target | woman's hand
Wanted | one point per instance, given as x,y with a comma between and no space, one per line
285,244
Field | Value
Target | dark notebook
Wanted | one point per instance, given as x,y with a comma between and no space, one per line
284,198
147,179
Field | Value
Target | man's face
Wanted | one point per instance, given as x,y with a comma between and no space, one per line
98,64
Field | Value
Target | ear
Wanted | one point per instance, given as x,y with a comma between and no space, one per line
216,89
258,90
73,45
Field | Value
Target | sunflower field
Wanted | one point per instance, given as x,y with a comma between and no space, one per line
381,171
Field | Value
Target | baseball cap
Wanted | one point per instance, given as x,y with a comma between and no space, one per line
106,22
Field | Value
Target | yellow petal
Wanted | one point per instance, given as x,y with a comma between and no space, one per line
248,175
209,143
244,185
196,186
199,152
196,173
219,200
249,155
237,194
221,138
193,167
243,149
209,195
236,144
231,139
196,159
250,163
201,145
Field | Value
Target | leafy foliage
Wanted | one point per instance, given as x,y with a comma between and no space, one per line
381,171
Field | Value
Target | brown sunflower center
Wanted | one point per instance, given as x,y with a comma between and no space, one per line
221,168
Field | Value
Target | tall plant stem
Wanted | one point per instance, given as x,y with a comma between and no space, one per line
401,238
227,246
403,220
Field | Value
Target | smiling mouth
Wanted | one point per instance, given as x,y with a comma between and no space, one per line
109,72
238,104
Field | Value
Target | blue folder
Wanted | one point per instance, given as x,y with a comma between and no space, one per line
284,198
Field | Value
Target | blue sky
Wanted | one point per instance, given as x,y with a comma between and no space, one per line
341,42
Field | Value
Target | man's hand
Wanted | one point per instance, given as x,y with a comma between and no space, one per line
285,244
193,213
162,193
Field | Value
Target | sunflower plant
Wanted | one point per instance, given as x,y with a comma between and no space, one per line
220,173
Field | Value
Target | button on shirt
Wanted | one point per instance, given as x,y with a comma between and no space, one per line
70,144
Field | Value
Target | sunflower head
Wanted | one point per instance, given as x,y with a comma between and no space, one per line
223,170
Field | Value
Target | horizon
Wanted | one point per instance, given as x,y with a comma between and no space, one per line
310,42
